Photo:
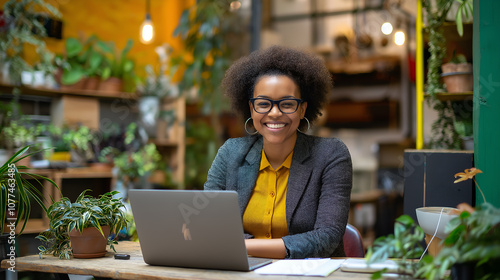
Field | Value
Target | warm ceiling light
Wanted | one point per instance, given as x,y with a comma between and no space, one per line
399,38
386,28
235,5
147,28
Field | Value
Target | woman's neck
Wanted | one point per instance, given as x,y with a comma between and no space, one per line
277,153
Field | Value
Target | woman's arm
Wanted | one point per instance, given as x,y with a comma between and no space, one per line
318,223
266,248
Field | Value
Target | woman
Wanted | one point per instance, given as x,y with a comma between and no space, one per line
293,189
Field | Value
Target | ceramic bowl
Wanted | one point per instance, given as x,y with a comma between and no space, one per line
428,218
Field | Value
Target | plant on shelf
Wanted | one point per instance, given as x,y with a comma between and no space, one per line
117,65
136,158
19,133
471,246
457,74
158,84
23,27
153,89
81,60
443,131
17,192
105,214
48,68
81,141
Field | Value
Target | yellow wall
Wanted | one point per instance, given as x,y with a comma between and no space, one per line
118,20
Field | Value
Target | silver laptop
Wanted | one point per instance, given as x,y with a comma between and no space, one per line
189,228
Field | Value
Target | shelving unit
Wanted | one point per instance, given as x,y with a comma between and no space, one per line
85,107
170,139
444,96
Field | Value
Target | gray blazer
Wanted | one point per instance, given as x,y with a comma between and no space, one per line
318,190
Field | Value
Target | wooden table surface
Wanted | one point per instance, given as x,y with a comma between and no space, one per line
136,268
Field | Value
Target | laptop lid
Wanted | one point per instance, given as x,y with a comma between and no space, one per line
189,228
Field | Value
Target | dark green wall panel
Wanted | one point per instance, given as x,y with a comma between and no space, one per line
486,59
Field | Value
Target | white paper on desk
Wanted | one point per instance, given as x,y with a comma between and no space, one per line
310,267
360,265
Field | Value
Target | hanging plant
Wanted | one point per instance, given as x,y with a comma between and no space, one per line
443,132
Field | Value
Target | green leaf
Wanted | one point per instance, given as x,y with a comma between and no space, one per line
73,47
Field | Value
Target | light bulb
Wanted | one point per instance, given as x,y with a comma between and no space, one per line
235,5
147,31
386,28
399,38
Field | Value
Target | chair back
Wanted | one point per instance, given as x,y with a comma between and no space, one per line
353,243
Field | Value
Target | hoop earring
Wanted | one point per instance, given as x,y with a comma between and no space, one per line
308,125
247,129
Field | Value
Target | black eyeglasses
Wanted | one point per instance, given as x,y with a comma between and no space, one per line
286,106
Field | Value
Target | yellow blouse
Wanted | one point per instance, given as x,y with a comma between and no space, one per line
265,215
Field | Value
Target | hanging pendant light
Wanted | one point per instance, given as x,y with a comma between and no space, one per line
147,28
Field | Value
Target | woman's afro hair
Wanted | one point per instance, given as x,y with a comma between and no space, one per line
307,70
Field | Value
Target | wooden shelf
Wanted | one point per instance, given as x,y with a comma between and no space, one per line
357,114
28,90
164,143
445,96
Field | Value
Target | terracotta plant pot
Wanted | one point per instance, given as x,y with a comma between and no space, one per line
112,84
101,166
92,83
89,243
74,87
457,77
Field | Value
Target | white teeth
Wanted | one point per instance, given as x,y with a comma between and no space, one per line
272,125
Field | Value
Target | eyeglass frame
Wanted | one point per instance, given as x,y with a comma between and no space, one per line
277,102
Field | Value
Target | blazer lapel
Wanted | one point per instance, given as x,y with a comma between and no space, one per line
247,174
299,175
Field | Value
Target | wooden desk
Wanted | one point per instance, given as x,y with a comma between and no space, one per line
135,268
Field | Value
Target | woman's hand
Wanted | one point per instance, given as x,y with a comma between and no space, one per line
266,248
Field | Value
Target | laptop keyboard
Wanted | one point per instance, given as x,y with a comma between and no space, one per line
254,262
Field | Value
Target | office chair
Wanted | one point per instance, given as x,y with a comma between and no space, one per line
353,243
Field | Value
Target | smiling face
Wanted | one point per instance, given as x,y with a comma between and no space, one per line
275,126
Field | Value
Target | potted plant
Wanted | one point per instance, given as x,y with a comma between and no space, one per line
17,192
81,140
81,65
473,242
457,74
16,195
18,134
48,69
81,229
117,71
154,88
135,159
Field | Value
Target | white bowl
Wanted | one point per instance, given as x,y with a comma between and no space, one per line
428,218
